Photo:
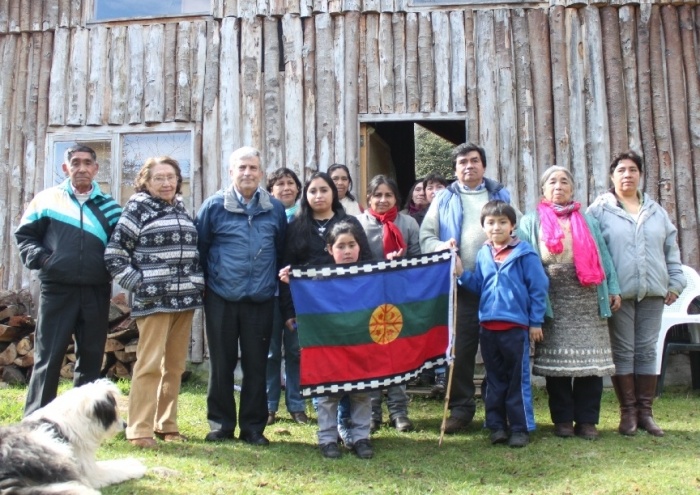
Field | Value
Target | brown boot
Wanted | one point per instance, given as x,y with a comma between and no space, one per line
645,390
624,389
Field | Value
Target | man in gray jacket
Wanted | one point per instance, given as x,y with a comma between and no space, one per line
241,236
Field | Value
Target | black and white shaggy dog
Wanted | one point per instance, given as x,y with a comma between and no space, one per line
52,451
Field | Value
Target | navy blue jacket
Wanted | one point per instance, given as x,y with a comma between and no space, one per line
240,248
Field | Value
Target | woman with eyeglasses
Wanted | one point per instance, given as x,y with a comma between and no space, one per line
153,253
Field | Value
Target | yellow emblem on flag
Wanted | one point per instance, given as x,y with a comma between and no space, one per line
385,324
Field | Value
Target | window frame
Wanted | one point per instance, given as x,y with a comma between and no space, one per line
114,134
90,17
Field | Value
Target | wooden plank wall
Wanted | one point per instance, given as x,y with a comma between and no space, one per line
535,86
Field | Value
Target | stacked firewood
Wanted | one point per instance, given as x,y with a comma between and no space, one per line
17,340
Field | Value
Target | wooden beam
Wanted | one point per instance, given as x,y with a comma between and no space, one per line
309,61
542,89
325,90
614,80
352,140
442,60
59,69
508,124
273,143
339,78
412,71
398,29
293,38
560,85
135,103
426,64
386,64
229,95
487,82
576,119
251,81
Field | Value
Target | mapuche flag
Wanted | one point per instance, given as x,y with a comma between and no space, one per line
365,326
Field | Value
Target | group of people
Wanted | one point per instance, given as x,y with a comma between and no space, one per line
587,288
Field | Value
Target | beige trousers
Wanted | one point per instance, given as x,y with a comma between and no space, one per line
164,339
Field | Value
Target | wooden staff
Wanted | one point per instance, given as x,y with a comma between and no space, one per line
452,355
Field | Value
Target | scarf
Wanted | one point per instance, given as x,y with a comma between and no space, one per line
291,211
586,258
391,235
413,208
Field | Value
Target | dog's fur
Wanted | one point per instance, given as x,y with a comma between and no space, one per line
52,451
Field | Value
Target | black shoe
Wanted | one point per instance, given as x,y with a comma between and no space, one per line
271,418
519,439
255,438
363,449
374,426
498,436
299,417
219,436
330,450
402,423
454,425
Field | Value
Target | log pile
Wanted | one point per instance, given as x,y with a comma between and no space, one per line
17,340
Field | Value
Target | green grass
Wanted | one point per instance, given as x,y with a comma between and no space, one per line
413,463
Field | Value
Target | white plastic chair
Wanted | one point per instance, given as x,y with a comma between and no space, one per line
677,314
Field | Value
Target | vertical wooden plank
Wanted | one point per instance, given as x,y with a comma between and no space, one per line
398,29
487,82
24,19
4,24
677,99
251,81
458,69
118,75
560,85
371,6
472,121
306,8
263,9
339,88
292,7
507,115
98,77
352,5
646,117
335,6
614,80
135,103
273,122
597,125
8,44
628,43
526,166
542,89
247,9
230,8
42,107
198,58
412,71
50,20
325,94
320,6
386,6
372,64
76,13
183,89
441,56
36,13
576,120
426,65
362,70
213,161
15,10
309,60
277,8
690,66
31,144
59,69
293,38
154,94
63,13
169,67
386,64
352,52
229,94
662,126
77,75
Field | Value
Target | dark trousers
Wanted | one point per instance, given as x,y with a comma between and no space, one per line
466,343
228,324
81,311
508,399
574,399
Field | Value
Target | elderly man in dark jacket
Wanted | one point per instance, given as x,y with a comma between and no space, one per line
241,237
63,234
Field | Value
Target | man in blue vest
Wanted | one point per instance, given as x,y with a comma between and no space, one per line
454,221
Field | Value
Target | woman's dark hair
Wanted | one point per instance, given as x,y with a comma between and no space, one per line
627,155
409,198
345,227
144,175
498,208
281,173
435,177
377,181
337,166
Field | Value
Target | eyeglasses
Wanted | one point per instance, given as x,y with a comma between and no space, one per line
162,179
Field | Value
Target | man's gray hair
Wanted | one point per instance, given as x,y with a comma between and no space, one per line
244,152
555,168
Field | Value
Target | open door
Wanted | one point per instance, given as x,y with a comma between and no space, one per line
375,159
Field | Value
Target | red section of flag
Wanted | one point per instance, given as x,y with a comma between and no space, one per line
325,365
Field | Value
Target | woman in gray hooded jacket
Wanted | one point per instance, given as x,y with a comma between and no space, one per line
642,242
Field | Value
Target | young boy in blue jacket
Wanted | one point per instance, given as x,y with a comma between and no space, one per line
513,286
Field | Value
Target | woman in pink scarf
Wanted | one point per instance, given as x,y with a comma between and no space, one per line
583,291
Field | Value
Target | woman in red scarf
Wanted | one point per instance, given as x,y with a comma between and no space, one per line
391,234
583,291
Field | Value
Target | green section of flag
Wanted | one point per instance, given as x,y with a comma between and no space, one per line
352,328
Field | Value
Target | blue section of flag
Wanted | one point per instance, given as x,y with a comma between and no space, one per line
359,292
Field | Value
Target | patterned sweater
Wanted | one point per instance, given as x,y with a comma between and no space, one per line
153,252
